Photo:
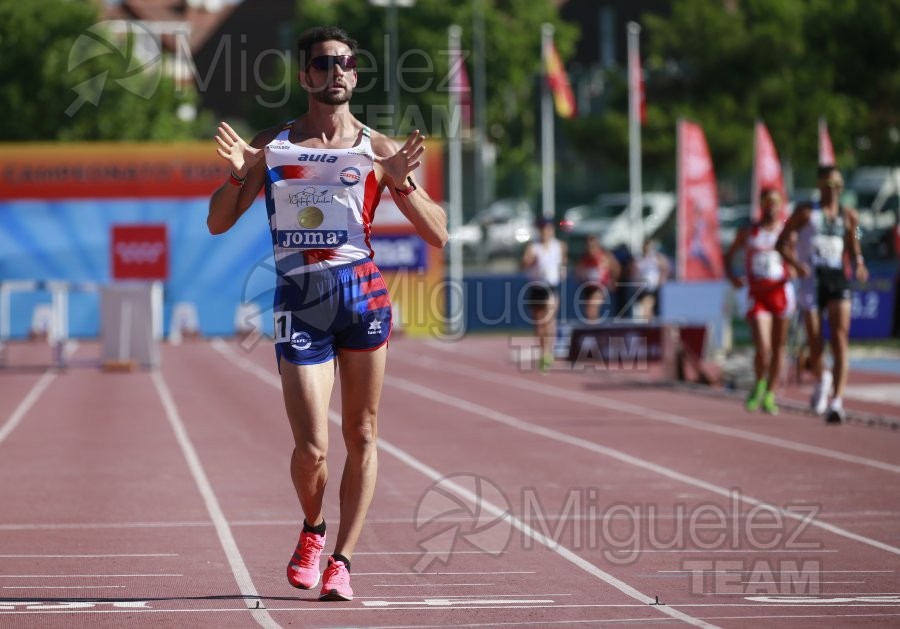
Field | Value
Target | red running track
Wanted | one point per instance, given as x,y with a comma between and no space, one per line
505,499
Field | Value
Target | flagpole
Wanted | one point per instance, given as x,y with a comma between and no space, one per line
548,177
636,201
680,252
455,284
754,178
479,100
820,153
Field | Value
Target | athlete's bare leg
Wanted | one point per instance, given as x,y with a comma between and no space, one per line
307,392
779,336
362,376
839,321
761,328
813,326
545,325
548,338
646,305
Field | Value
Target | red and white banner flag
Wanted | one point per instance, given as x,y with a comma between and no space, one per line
636,84
826,150
699,255
459,84
766,171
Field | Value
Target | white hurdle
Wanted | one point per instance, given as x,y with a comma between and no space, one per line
58,328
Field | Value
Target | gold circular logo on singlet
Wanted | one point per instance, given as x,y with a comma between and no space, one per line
310,217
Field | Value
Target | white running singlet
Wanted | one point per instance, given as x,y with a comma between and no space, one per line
320,203
548,262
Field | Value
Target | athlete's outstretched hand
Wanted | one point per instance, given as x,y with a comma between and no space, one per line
232,147
398,166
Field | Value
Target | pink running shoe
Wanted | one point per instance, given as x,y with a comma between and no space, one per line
336,582
303,569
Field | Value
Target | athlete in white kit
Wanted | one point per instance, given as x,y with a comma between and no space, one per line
826,234
323,174
544,262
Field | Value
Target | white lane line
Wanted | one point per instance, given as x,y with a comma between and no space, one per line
340,609
430,585
62,526
465,596
537,536
820,571
600,517
492,552
433,474
519,424
59,587
446,602
84,576
832,617
232,552
438,574
25,405
649,413
726,551
88,556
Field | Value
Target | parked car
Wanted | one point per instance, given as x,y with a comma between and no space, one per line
502,228
877,198
609,218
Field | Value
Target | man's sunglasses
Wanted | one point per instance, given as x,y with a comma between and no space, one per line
327,62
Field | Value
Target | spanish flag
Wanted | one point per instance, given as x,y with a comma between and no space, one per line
558,81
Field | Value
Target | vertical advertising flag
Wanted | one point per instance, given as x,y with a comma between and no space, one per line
636,84
826,150
459,85
766,171
699,254
558,80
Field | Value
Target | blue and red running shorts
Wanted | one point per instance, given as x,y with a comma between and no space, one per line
318,312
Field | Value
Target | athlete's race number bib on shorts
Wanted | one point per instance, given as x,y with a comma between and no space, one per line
309,217
767,265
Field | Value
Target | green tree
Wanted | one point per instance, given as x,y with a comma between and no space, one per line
512,62
727,64
68,77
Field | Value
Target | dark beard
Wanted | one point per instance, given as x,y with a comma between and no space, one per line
329,98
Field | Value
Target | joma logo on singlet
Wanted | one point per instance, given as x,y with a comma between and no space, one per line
310,157
312,239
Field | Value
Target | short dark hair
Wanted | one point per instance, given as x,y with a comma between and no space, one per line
318,34
767,191
826,169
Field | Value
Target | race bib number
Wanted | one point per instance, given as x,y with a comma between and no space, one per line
767,265
828,251
282,326
310,217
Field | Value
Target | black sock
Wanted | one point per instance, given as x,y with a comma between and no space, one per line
318,530
341,558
